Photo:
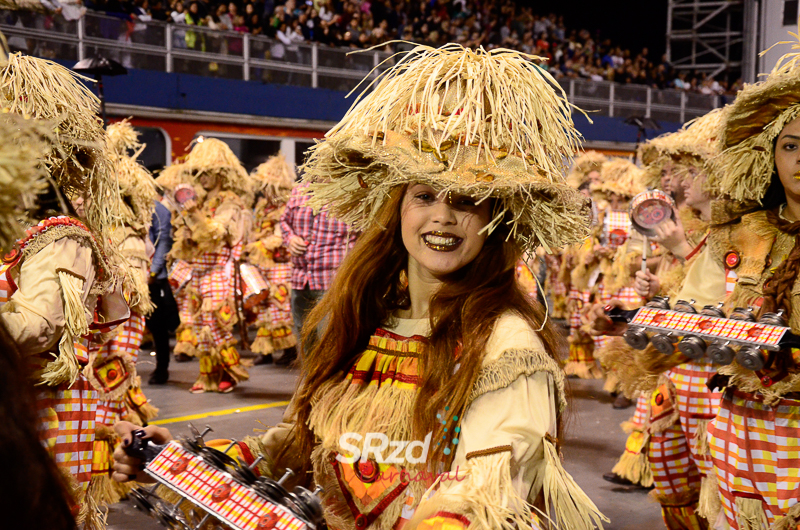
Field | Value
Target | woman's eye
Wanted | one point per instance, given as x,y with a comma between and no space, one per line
424,196
790,146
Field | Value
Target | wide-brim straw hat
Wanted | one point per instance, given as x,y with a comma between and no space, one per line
583,165
484,124
621,177
24,143
136,185
753,123
210,155
276,176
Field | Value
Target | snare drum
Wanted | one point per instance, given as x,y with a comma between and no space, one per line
255,287
180,275
649,209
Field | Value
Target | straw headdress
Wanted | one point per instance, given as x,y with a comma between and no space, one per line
79,161
275,177
137,187
24,143
619,176
209,155
754,120
484,124
583,165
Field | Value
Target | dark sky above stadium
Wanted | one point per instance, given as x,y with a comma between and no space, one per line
631,23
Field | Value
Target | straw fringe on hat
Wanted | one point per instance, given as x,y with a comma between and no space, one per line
755,119
210,156
619,176
137,187
275,177
484,124
79,160
583,165
122,137
24,143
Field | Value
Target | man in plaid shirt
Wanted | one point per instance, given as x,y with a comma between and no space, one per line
317,243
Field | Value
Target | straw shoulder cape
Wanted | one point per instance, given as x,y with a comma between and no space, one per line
222,221
51,280
758,247
506,468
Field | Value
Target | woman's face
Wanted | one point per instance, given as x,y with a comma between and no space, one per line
694,191
79,204
441,232
787,159
208,180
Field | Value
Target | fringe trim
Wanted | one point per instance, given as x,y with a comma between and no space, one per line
66,368
91,516
583,370
710,502
701,439
119,392
262,346
285,342
634,467
747,381
638,370
750,514
347,407
788,521
514,363
684,498
612,383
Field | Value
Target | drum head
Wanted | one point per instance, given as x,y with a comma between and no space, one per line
649,209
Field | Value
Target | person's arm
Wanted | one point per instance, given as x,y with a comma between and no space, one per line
287,218
163,239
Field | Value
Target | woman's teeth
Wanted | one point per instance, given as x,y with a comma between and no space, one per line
441,242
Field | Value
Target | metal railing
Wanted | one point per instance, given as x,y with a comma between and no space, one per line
203,51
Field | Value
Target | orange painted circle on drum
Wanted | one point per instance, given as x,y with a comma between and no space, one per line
221,492
179,466
649,209
266,522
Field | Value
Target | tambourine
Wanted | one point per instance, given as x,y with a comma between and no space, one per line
649,209
184,193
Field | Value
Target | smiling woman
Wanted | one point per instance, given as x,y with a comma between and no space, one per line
452,168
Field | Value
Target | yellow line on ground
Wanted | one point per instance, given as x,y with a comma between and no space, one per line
190,417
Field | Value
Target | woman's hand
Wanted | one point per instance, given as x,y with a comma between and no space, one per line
646,284
672,236
127,468
595,316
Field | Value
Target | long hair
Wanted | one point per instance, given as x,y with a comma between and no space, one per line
33,491
367,289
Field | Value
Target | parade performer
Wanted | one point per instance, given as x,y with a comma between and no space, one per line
679,404
585,172
275,179
32,489
210,232
112,366
58,276
450,195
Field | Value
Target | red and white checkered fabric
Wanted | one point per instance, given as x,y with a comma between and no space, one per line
674,471
213,281
128,339
755,449
695,403
66,417
642,411
616,223
110,412
277,309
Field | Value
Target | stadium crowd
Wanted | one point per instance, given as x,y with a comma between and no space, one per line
362,24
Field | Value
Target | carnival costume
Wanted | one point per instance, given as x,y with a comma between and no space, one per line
440,117
753,438
669,430
209,241
112,370
581,362
56,283
275,179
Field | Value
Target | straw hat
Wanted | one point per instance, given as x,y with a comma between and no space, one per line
24,143
484,124
619,176
753,122
275,177
583,165
209,155
137,187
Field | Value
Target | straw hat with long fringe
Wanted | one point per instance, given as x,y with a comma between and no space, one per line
619,176
484,124
275,177
79,160
583,165
753,122
137,187
209,155
24,143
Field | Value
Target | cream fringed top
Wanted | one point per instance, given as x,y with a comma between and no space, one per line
505,454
